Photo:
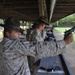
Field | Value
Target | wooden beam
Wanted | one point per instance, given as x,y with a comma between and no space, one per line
42,8
27,17
18,1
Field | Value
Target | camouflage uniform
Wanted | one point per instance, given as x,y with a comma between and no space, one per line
37,36
13,54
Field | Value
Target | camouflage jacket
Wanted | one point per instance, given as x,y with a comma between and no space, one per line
37,35
13,54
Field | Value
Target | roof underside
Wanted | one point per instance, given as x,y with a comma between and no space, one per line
29,9
63,8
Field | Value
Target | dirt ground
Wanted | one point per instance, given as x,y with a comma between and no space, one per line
70,52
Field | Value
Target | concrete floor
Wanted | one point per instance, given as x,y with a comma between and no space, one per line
70,52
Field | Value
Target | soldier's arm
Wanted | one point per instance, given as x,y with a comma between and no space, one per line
51,48
19,47
39,50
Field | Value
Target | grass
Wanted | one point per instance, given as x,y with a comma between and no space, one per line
63,29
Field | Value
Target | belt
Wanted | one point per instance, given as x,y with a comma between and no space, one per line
56,68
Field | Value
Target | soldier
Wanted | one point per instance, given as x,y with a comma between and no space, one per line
14,52
38,35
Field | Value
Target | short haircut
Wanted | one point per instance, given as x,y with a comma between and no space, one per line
8,30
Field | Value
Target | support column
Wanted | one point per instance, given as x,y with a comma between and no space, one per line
42,8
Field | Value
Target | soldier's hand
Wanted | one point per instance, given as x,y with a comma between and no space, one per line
68,39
